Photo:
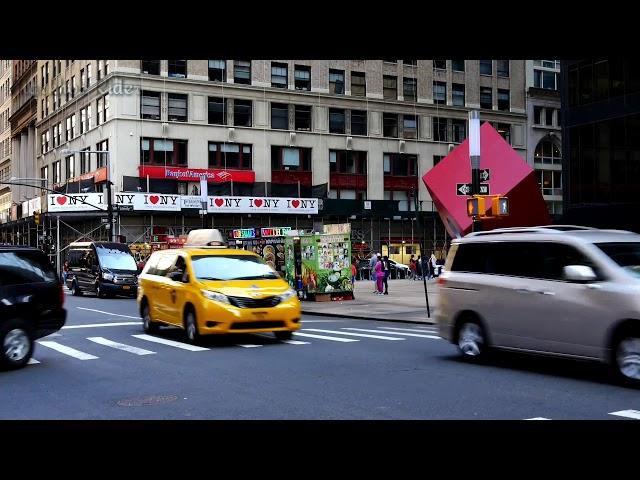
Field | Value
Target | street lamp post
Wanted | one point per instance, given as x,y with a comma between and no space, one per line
474,154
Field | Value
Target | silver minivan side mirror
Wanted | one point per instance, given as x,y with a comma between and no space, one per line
579,273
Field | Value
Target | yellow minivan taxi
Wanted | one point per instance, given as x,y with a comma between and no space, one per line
215,290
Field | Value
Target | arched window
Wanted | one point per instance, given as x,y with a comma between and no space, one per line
547,153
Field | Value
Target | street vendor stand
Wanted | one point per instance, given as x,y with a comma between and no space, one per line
268,242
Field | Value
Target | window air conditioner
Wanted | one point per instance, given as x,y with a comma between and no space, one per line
401,146
349,143
292,138
165,127
231,133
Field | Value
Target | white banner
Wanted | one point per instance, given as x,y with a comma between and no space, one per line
150,201
191,201
262,205
75,202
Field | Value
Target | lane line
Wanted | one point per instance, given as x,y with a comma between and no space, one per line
537,418
414,330
107,313
120,346
247,345
95,325
32,361
322,337
72,352
635,414
395,333
379,337
171,343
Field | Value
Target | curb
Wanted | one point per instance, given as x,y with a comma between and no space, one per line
354,317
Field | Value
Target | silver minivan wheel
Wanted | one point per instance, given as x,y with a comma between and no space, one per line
16,345
471,340
628,358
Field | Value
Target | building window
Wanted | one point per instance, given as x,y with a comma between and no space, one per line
486,97
457,65
177,107
44,172
410,63
302,117
88,75
549,116
550,181
56,136
44,142
68,135
504,129
503,99
409,86
279,75
459,130
439,129
486,67
55,100
290,159
103,108
242,113
158,151
60,95
177,68
439,93
537,115
399,165
358,84
83,121
502,68
390,87
390,125
242,72
85,161
217,111
100,69
457,93
57,172
149,106
440,64
390,61
70,166
280,116
150,67
409,126
547,153
230,155
106,68
358,122
83,79
545,79
348,161
218,70
336,120
336,82
67,91
302,77
437,159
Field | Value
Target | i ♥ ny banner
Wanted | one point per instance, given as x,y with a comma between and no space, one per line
76,202
262,205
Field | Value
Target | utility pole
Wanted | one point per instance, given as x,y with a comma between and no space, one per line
422,242
474,154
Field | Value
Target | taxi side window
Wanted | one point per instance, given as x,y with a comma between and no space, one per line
164,264
179,266
150,267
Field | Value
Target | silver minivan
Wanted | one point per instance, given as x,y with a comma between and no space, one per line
556,290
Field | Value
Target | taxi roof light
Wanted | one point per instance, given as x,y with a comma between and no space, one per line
205,237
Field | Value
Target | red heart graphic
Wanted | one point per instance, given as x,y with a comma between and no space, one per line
219,202
295,203
257,202
61,200
154,199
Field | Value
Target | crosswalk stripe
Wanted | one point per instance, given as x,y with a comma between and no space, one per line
120,346
107,313
32,361
537,418
72,352
395,333
415,330
164,341
379,337
290,342
635,414
322,337
247,345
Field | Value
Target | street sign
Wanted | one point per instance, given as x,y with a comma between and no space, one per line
464,189
123,208
106,220
485,174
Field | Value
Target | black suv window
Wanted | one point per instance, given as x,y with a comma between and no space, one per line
17,268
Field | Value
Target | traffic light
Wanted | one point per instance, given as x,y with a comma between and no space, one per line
475,206
36,217
499,206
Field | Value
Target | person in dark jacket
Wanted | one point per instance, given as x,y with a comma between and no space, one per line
386,268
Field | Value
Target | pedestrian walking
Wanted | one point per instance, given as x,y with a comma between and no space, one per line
354,271
65,272
386,268
412,268
379,277
419,268
372,265
434,264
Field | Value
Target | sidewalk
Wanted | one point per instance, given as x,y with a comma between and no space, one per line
405,303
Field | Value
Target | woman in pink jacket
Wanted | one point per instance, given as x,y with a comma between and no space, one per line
379,277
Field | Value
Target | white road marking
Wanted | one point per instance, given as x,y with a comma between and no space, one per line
537,418
415,330
120,346
395,333
290,342
247,345
164,341
107,313
379,337
32,361
95,325
72,352
635,414
322,337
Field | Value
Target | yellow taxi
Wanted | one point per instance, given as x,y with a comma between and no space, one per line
206,288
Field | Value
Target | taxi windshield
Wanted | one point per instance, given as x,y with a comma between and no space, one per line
231,267
625,254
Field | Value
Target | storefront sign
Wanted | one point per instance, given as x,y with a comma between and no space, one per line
190,201
76,202
263,205
275,231
244,233
195,174
337,228
150,201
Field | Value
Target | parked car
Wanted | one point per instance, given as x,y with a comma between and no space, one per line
398,270
31,306
559,290
105,268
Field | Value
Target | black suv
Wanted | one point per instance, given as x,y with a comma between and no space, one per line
31,300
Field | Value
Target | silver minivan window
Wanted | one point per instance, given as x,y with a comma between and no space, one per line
625,254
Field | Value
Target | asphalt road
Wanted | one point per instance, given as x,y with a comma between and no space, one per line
96,368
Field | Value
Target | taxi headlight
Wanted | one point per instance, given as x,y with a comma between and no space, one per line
215,296
288,294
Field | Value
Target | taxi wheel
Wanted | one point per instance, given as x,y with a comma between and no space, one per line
191,327
148,325
283,335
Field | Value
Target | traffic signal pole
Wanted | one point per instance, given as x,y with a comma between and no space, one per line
474,155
